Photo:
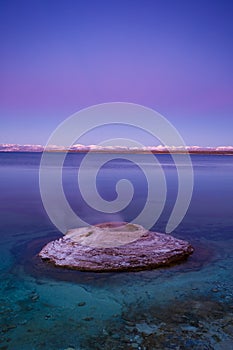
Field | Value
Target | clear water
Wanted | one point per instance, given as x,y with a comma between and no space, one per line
188,306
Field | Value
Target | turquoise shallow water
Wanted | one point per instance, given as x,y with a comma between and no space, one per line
188,306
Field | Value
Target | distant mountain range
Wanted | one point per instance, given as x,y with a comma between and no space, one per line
6,147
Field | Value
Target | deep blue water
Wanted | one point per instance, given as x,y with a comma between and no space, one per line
189,306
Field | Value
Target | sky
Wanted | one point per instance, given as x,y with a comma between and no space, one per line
59,56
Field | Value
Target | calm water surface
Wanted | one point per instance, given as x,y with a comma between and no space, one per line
189,306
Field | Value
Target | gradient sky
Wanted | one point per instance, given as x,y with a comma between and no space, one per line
58,56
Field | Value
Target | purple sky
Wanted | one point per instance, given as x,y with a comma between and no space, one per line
60,56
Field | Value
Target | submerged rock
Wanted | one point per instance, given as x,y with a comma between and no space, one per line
115,247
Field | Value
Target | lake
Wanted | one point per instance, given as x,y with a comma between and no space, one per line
187,306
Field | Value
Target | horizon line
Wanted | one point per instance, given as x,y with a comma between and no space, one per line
12,147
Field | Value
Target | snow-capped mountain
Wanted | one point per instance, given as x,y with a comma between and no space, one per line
9,147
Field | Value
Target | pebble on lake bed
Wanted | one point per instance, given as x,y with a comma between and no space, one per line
115,247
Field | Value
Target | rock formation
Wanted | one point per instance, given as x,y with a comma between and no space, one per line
115,247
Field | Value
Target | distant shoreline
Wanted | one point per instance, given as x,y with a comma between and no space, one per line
203,152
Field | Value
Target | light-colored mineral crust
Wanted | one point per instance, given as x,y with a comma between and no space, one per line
115,247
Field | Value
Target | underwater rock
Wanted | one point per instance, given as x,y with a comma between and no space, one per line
146,329
82,303
115,247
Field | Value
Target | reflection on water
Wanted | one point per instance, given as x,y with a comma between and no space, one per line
188,306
